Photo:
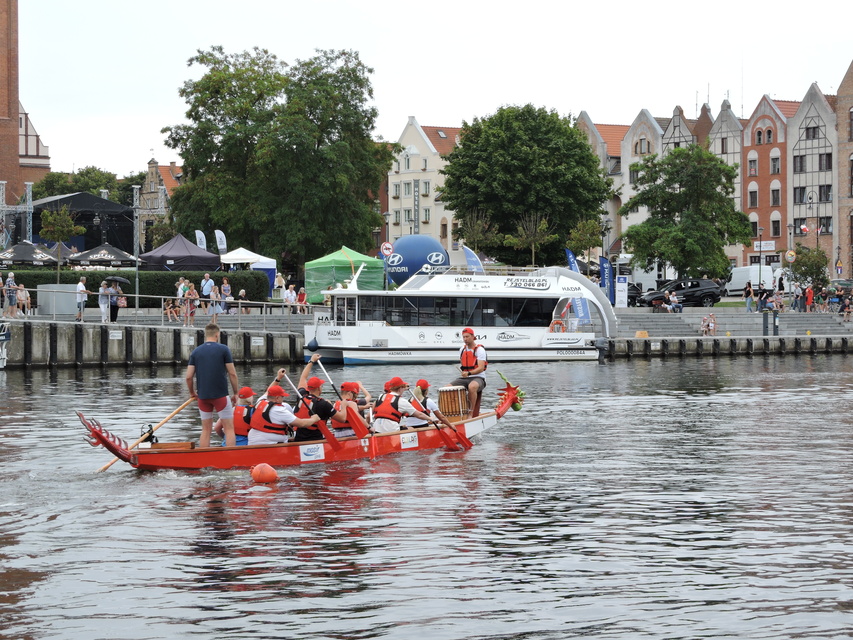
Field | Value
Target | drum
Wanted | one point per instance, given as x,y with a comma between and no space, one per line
453,401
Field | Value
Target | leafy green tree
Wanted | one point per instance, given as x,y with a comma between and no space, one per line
92,180
58,226
55,183
532,232
280,158
518,161
810,266
478,231
692,217
585,235
123,193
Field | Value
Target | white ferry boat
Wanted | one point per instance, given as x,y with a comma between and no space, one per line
533,316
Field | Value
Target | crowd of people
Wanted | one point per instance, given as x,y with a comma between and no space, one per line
243,420
806,299
14,297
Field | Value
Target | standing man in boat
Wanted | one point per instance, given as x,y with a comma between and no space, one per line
311,403
473,364
211,367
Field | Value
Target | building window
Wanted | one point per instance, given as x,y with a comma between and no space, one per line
425,166
425,188
850,127
396,166
426,215
724,145
800,226
641,147
407,163
812,133
753,199
824,162
799,164
775,198
677,145
407,188
443,232
754,226
634,174
753,167
408,214
825,224
396,216
768,136
758,137
799,195
825,193
775,165
775,228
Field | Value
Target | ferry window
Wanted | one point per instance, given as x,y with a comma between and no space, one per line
371,308
534,312
345,310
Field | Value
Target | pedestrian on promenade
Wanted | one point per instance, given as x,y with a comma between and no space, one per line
747,295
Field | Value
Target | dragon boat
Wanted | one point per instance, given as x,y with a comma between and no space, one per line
154,456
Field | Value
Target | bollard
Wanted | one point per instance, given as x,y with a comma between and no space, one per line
812,345
664,348
766,345
270,354
682,347
629,348
647,348
765,329
732,346
782,346
53,341
828,345
700,346
844,343
152,346
750,347
600,345
28,343
176,345
78,344
128,346
715,347
105,344
798,345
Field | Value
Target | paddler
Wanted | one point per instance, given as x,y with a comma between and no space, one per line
473,363
242,417
427,405
311,402
392,407
349,397
273,421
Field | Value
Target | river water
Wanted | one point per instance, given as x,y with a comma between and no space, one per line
695,498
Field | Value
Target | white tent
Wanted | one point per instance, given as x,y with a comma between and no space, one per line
256,260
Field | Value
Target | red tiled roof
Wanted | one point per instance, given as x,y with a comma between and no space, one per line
613,134
787,107
445,141
169,181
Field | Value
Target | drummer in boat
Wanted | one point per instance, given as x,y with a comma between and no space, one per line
392,407
473,364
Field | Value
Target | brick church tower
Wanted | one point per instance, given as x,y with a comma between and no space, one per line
10,168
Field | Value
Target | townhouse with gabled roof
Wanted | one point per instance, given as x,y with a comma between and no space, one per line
414,203
161,180
844,171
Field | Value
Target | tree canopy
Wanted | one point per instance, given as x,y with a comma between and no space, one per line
58,226
280,158
692,217
90,180
518,162
810,266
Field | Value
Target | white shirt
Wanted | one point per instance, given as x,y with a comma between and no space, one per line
430,405
81,295
384,425
290,295
279,414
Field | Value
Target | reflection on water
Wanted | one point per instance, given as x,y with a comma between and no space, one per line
666,498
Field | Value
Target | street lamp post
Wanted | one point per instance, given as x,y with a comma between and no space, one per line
605,236
760,250
136,189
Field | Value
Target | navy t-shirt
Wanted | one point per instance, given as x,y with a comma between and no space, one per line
211,376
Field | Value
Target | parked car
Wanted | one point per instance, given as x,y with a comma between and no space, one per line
691,292
634,293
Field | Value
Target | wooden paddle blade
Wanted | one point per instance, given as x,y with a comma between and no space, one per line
355,420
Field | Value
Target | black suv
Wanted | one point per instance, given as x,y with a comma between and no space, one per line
691,292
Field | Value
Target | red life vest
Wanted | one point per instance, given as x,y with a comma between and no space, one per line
303,410
468,358
242,419
387,407
339,425
261,419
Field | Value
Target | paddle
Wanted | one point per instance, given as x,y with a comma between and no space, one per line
149,432
448,441
326,373
324,428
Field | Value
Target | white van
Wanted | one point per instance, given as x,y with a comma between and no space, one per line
739,276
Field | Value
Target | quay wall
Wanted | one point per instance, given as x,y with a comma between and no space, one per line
45,344
726,346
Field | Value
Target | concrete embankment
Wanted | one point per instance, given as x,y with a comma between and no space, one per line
726,346
44,343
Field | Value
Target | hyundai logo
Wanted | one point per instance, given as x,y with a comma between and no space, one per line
394,259
436,257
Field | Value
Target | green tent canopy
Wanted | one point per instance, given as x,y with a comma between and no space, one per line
340,267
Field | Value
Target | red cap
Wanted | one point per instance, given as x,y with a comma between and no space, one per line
387,386
245,392
423,384
396,382
276,390
315,382
349,386
468,330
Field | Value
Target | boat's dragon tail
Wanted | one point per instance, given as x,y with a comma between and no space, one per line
97,435
510,396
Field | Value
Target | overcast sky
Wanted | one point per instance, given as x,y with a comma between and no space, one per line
100,77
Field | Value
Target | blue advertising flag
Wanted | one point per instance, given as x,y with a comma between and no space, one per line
473,261
580,305
607,282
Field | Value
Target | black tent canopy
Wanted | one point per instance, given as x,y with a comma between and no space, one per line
179,254
25,253
105,255
115,221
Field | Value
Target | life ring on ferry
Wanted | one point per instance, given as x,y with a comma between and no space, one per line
557,326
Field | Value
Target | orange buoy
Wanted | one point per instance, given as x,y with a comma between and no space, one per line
264,473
